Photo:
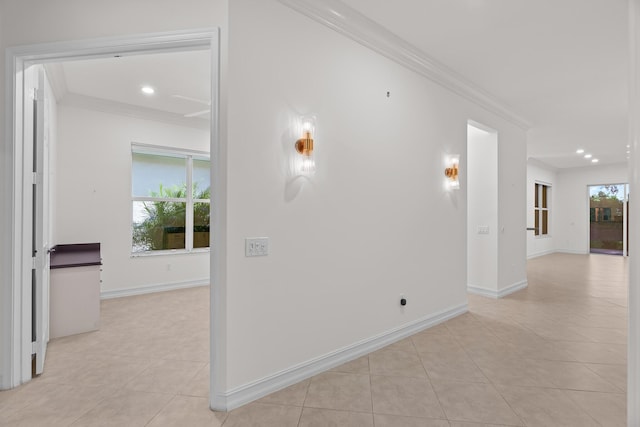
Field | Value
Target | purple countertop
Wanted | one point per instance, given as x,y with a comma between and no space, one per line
75,255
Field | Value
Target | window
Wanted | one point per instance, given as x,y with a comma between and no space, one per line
171,200
541,209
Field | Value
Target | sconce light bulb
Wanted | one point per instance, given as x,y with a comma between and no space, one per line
452,171
305,163
304,145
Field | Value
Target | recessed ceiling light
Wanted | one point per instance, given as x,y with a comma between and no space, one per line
579,151
588,156
628,146
594,160
148,90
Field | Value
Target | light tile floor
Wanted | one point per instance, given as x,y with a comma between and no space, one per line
551,355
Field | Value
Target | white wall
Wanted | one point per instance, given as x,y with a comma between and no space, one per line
539,173
29,22
94,195
374,222
572,201
482,210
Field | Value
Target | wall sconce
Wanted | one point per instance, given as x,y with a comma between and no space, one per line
451,171
305,162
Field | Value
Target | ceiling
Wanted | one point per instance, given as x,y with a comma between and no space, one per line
181,81
561,65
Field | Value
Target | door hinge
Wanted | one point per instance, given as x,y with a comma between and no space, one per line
33,263
34,347
35,178
34,94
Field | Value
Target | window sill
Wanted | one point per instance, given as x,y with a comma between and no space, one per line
169,252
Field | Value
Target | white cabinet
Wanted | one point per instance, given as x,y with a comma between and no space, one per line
74,304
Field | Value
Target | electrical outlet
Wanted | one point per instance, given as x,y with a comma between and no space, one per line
403,300
256,246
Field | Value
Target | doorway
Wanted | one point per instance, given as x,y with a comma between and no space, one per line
608,219
17,345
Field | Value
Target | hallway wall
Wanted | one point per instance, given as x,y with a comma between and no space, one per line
374,221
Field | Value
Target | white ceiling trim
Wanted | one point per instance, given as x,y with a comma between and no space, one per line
113,107
351,23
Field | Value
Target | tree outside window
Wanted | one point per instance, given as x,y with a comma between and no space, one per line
166,215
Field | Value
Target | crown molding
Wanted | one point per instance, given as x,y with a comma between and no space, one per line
113,107
349,22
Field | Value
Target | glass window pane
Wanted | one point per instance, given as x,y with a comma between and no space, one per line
535,201
158,226
201,179
544,196
545,222
537,221
158,175
201,212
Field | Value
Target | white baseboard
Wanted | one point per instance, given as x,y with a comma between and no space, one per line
149,289
539,254
255,390
491,293
571,251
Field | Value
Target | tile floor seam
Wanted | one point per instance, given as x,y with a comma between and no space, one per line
586,412
373,408
158,413
466,352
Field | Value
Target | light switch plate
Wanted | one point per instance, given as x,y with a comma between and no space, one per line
256,246
483,229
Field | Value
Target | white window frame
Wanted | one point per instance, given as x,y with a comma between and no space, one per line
189,155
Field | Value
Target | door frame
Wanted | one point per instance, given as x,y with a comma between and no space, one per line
15,338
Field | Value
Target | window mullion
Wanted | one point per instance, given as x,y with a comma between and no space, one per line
189,214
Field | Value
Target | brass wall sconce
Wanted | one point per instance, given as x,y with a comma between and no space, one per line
305,162
452,171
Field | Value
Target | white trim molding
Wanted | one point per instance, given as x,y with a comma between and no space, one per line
252,391
633,335
491,293
572,252
128,110
349,22
543,253
150,289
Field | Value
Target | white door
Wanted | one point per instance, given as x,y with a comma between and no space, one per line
41,226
